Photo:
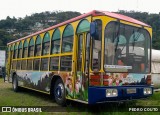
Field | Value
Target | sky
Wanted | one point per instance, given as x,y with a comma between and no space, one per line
21,8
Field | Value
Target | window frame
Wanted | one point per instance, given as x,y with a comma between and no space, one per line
25,49
31,45
38,45
57,31
70,29
15,51
44,42
66,60
19,55
42,67
51,58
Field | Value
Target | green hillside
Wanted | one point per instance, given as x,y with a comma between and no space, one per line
13,28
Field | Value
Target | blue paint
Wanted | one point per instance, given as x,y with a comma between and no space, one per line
98,94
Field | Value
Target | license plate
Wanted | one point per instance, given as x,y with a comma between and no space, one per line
129,91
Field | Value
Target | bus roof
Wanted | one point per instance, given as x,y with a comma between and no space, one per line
92,13
125,18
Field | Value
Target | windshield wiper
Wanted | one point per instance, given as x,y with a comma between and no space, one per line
133,43
117,43
117,36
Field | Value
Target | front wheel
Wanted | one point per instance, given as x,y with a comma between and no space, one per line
59,92
15,83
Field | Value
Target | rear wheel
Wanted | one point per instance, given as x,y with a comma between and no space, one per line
59,92
15,83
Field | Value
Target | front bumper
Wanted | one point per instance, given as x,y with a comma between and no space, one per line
98,94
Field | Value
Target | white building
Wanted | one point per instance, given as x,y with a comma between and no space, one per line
156,68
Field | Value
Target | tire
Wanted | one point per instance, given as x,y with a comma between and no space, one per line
59,92
15,84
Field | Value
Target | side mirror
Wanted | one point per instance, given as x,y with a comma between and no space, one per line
93,29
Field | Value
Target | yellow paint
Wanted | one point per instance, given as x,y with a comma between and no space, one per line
85,102
28,39
50,33
149,30
34,89
131,24
34,37
42,35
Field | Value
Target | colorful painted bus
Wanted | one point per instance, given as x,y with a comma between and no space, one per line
93,58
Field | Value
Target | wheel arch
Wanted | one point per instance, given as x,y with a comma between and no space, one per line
53,80
13,75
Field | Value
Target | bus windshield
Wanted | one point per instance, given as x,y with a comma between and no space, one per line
127,49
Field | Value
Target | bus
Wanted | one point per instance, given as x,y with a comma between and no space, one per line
92,58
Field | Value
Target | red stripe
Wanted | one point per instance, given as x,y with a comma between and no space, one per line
95,76
95,83
105,83
123,17
105,77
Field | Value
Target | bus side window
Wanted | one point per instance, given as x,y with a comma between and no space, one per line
15,54
19,53
31,48
36,64
54,63
19,50
67,39
66,63
30,51
14,63
46,44
46,48
24,64
30,64
25,52
37,50
55,43
44,64
18,64
38,46
25,49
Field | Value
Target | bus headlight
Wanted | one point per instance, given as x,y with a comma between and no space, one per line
111,93
147,91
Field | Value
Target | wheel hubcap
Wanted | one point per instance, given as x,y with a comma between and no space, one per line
14,84
59,91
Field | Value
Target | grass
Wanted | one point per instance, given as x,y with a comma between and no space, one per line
23,98
32,98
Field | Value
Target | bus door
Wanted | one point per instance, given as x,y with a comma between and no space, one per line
82,73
